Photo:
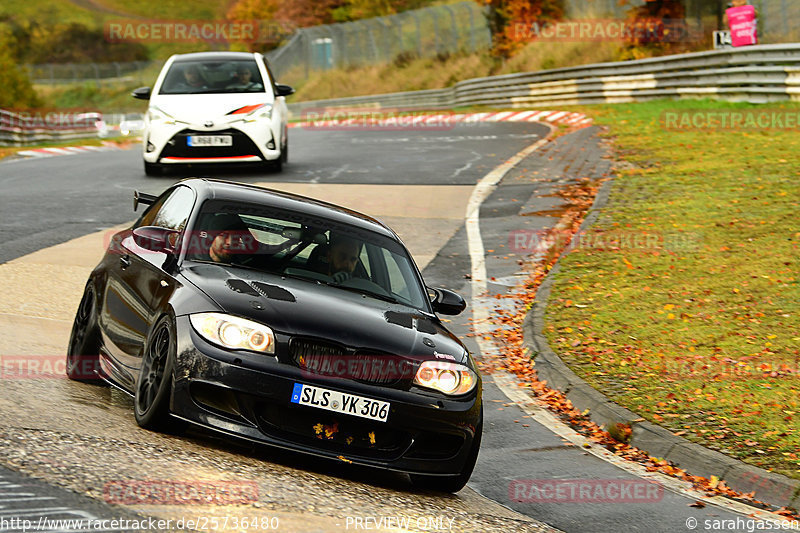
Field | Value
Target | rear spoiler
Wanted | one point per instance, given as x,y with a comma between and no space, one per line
142,198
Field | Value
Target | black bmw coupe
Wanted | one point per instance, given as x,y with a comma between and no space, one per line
283,320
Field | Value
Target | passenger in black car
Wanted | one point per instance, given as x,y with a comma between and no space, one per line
343,254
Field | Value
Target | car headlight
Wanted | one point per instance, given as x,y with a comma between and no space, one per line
234,332
159,115
449,378
252,113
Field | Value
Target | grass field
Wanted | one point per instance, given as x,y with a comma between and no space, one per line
93,13
682,303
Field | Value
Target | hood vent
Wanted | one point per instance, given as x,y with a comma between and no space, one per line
240,286
405,320
273,292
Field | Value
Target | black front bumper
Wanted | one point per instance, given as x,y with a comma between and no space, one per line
247,395
178,146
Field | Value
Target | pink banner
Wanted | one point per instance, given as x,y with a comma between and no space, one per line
742,21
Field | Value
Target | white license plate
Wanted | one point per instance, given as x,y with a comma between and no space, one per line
210,140
340,402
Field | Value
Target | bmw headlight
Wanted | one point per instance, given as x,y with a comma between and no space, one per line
234,332
449,378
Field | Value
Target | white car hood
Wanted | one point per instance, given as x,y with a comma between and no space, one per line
199,108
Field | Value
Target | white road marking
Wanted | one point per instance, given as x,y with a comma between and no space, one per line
467,165
48,517
445,118
64,150
510,386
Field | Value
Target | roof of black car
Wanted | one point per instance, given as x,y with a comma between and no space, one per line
220,189
214,56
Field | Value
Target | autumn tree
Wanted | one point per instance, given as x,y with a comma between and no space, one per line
253,10
315,12
17,90
657,25
361,9
509,21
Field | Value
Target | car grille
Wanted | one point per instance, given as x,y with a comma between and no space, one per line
336,361
242,145
330,431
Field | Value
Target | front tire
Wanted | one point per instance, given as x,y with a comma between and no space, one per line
455,483
154,385
83,351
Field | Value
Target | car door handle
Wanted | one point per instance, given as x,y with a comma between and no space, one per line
125,261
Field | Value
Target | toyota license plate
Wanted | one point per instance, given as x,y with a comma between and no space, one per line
209,140
340,402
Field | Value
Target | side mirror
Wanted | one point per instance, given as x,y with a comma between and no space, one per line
446,302
142,93
143,198
283,90
156,239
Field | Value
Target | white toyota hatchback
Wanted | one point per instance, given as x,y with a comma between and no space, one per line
215,107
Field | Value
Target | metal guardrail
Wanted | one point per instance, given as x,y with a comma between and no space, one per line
757,74
67,73
440,29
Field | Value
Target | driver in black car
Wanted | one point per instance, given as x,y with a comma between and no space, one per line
231,241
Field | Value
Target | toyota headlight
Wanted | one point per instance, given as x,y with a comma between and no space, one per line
252,113
159,115
449,378
234,332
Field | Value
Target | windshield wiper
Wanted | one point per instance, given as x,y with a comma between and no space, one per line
235,265
377,295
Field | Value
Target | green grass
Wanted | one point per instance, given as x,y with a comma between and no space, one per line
97,13
48,12
699,332
170,9
94,14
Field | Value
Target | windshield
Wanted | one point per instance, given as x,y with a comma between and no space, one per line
313,249
197,77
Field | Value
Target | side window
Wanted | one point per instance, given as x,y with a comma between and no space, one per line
364,258
397,279
170,212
